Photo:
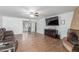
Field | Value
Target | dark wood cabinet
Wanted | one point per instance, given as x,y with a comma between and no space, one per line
52,33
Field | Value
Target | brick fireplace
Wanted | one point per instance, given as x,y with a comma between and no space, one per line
73,36
71,42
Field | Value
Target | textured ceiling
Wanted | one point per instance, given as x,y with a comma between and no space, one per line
44,11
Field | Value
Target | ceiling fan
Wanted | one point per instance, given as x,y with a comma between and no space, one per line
31,13
34,14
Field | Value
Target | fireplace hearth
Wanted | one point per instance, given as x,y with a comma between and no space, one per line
73,36
71,42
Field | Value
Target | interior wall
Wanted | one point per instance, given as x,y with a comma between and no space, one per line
62,28
32,26
0,21
16,24
13,23
41,24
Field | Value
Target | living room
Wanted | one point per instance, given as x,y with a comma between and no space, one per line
37,28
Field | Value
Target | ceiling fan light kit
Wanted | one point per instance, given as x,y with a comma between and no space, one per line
34,14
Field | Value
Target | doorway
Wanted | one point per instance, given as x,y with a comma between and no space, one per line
29,26
26,26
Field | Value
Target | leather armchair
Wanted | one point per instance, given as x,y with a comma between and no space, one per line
7,37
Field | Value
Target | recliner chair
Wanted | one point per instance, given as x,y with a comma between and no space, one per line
7,37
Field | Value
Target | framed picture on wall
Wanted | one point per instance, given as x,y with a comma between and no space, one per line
63,22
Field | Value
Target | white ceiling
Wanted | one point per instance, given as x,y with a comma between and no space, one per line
44,11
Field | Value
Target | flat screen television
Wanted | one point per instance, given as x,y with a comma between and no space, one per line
53,21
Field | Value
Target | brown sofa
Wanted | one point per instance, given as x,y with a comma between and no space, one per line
7,37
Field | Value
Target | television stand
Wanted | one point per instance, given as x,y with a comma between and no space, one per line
52,33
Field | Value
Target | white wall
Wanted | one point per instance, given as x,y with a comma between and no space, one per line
13,23
16,24
62,28
41,25
0,21
32,26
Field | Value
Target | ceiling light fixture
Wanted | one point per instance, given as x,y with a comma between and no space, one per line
34,14
31,13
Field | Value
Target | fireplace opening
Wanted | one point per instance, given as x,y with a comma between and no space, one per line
73,38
